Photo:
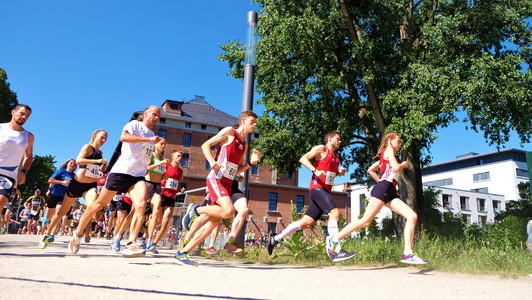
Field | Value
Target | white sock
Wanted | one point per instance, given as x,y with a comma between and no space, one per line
289,230
334,239
332,227
408,252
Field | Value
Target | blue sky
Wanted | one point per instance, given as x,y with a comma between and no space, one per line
84,65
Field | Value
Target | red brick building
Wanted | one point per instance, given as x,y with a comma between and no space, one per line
187,125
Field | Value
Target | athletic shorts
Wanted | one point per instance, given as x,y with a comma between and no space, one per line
113,205
322,202
121,182
236,193
6,186
218,189
35,217
123,205
384,191
153,188
167,201
69,214
76,189
53,201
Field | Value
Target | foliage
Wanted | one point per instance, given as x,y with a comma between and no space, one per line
41,169
8,98
521,208
297,246
433,216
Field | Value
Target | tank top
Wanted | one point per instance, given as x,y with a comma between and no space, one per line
13,145
329,164
228,157
160,169
92,170
171,184
387,172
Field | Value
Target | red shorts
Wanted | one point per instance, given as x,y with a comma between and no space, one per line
218,189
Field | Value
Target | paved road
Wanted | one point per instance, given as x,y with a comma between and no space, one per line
28,272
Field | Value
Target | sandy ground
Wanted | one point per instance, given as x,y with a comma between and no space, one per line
28,272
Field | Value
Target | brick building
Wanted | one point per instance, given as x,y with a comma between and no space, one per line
186,125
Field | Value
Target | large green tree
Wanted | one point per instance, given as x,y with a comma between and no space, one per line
42,167
367,67
8,98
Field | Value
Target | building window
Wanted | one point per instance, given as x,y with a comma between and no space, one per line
174,105
187,138
162,121
188,125
300,203
464,203
496,206
272,202
447,201
466,218
255,170
482,221
185,159
207,165
521,172
256,135
272,227
481,190
440,182
481,204
162,133
203,127
481,176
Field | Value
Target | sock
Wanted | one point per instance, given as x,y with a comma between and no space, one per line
51,235
408,252
332,227
289,230
230,241
148,241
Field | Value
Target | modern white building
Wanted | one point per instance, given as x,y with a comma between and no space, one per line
476,186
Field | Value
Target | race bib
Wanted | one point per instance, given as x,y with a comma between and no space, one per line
147,150
230,170
67,181
329,178
5,184
161,169
171,184
92,171
117,197
33,212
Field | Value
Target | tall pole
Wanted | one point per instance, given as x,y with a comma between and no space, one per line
247,98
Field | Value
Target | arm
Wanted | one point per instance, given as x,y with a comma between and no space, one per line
127,137
155,166
255,157
86,151
390,156
313,153
27,160
373,171
221,136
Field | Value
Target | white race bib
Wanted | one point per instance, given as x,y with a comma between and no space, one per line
117,197
230,170
92,171
33,212
161,169
329,178
171,184
67,179
5,183
147,150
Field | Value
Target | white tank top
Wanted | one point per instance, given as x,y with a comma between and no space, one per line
13,144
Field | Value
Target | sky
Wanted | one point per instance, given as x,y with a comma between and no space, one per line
85,65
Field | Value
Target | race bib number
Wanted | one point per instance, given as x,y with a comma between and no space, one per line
5,184
171,184
147,150
161,169
230,170
92,171
33,212
117,197
329,178
67,179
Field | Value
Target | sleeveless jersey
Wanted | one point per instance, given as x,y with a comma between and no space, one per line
171,184
387,172
13,145
228,157
92,170
329,164
160,169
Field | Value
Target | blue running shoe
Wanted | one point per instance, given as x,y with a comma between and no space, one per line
115,246
51,239
152,248
190,216
184,260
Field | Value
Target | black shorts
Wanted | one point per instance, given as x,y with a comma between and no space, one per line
113,205
322,202
35,217
167,201
153,188
10,182
53,201
121,182
236,193
123,205
75,224
69,214
76,189
384,191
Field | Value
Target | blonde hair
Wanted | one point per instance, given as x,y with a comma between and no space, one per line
64,165
95,133
390,135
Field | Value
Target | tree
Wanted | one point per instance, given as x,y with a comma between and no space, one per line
367,67
41,169
521,208
8,98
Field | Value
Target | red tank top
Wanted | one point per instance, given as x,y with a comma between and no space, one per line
228,157
386,170
171,185
329,164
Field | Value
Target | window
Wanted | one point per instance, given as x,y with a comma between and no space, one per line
481,204
300,202
496,206
207,165
256,135
521,172
440,182
447,201
481,176
481,190
464,203
287,175
162,133
272,202
466,218
188,125
187,138
272,227
482,221
255,170
162,121
185,159
174,105
203,127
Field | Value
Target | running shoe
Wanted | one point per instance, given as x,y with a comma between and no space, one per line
3,230
343,255
44,241
231,248
413,259
51,239
115,246
87,239
152,248
73,246
332,247
212,251
190,216
134,249
271,244
184,260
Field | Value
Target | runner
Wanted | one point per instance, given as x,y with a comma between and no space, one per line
16,149
36,205
228,163
90,160
324,169
127,175
8,210
123,208
384,193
